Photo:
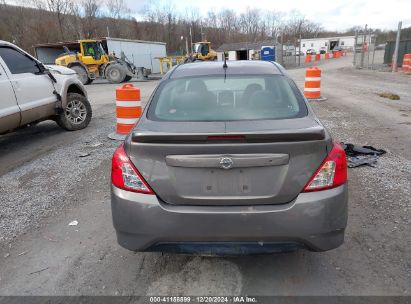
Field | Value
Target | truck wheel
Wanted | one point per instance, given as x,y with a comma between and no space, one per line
82,74
77,114
127,78
115,73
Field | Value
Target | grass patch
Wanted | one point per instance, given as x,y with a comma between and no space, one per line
388,95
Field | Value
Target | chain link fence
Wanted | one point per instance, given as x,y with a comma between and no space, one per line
366,53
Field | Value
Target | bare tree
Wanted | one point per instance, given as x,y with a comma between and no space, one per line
91,11
116,10
60,8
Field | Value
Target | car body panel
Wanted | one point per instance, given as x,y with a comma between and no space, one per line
9,109
316,220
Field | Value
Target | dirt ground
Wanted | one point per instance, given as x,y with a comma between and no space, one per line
45,184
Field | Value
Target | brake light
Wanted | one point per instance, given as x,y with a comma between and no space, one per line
125,176
332,172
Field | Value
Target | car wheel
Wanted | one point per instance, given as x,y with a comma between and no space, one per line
82,74
115,73
77,113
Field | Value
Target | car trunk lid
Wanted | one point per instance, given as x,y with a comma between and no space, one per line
233,163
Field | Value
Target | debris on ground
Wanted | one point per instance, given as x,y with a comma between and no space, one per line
84,154
22,253
73,223
361,155
38,271
389,95
6,255
95,145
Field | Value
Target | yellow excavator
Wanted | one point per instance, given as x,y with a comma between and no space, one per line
90,61
202,51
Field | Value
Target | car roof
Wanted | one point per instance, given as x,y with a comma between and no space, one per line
243,67
2,42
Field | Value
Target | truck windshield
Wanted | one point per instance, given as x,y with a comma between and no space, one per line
213,98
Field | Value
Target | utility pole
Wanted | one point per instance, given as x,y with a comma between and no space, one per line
397,45
363,46
355,49
191,41
299,52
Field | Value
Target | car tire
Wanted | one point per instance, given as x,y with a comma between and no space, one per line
115,73
77,113
82,74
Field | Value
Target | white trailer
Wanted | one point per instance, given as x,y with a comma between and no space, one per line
140,53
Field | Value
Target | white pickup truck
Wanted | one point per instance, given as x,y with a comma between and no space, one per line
31,92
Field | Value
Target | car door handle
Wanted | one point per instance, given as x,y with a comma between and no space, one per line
16,84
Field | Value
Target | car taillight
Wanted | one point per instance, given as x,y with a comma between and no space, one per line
332,172
125,176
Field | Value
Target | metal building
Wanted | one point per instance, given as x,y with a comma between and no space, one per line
244,50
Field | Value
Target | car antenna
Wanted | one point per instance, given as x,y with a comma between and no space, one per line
225,66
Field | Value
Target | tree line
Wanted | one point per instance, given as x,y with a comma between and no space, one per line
42,21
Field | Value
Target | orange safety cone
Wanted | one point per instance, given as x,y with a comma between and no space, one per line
312,85
406,64
317,57
307,58
327,56
128,110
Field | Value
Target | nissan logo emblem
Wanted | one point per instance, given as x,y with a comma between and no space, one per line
226,163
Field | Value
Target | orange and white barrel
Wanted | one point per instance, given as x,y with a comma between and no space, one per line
327,55
312,86
308,58
406,63
317,57
128,110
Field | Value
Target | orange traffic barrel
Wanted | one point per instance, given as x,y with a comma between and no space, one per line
312,86
327,56
406,63
317,57
308,58
128,110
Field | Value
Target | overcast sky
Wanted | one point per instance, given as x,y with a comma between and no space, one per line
331,14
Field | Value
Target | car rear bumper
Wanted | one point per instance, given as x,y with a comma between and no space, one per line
315,220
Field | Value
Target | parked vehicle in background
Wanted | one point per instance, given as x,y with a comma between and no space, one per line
323,50
311,52
381,46
337,49
226,161
32,92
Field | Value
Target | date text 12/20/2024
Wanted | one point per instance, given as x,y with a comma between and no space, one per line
203,299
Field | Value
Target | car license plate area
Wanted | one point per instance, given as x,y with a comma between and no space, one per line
236,182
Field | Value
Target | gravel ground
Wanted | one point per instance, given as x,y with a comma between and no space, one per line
42,191
35,191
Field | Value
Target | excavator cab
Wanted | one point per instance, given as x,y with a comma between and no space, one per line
203,51
92,52
202,48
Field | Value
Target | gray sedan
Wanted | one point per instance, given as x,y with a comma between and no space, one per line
229,160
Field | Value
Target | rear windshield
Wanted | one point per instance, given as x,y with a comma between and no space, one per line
213,98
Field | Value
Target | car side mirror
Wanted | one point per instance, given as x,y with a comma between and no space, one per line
41,67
